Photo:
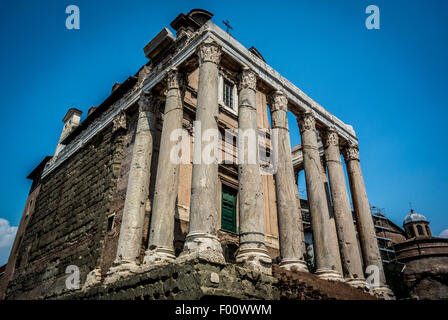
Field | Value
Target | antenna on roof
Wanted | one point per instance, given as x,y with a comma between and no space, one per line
228,26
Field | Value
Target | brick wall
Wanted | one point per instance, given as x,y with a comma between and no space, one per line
69,223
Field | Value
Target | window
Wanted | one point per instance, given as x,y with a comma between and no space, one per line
411,232
227,96
420,230
427,231
228,209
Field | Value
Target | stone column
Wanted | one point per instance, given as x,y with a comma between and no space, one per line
333,234
326,259
252,251
366,230
290,237
202,240
131,232
348,244
161,234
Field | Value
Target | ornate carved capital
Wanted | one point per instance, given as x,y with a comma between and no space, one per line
174,79
148,102
248,80
306,121
278,101
120,122
330,137
209,51
351,152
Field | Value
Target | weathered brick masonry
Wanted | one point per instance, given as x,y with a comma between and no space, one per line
69,223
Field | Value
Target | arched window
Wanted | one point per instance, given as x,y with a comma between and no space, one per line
411,232
420,230
427,231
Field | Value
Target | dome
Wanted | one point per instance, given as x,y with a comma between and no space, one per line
414,217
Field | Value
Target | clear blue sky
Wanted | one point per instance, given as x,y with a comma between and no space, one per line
390,84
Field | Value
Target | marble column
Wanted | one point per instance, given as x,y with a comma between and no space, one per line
326,258
346,232
333,234
131,232
252,251
161,234
290,238
366,229
202,240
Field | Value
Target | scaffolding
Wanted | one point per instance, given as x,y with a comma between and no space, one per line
385,243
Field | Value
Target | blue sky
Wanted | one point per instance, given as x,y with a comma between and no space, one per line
390,84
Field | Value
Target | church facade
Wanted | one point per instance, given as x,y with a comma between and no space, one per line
114,205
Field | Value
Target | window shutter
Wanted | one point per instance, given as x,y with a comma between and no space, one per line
228,209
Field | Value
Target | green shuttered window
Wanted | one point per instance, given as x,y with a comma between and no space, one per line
228,209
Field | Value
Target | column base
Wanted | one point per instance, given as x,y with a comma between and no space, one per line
356,283
121,269
159,255
93,278
329,274
201,245
383,292
293,265
256,259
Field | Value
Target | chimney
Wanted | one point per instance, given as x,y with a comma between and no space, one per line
71,121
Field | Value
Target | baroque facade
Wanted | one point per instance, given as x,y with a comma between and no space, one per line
113,203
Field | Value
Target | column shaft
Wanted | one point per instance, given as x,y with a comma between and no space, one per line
348,244
161,235
290,236
326,262
366,230
202,238
252,250
130,239
333,233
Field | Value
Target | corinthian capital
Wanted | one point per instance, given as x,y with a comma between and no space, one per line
209,51
306,121
330,137
174,79
147,102
351,152
248,79
278,101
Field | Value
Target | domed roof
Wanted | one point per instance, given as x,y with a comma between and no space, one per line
414,217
